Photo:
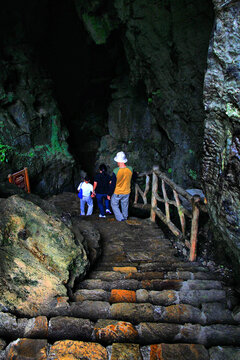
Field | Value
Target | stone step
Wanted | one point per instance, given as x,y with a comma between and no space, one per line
165,297
176,323
149,275
191,297
188,275
213,335
165,266
155,284
209,313
39,349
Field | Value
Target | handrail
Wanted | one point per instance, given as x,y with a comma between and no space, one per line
195,202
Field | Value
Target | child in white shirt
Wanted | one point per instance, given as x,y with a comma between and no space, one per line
87,190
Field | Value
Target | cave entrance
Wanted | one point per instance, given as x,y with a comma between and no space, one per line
82,73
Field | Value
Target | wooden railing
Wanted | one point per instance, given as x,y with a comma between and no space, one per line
175,200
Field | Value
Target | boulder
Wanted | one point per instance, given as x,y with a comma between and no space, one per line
40,258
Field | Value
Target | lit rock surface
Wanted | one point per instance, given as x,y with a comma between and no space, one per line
39,258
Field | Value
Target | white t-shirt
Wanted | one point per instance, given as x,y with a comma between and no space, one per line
87,188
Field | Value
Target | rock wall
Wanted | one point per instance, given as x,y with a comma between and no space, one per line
31,134
166,46
31,130
221,161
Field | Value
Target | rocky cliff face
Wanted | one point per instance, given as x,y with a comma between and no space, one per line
221,162
166,46
31,134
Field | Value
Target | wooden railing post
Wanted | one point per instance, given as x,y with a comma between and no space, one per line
136,194
194,228
154,191
166,201
180,211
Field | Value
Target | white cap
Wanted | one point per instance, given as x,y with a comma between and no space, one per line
120,157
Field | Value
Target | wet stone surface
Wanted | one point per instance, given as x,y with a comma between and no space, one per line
145,310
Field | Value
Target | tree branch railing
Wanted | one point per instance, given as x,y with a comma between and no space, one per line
177,191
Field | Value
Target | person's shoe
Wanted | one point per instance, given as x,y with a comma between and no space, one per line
108,211
101,216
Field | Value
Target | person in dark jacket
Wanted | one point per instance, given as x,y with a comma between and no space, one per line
100,190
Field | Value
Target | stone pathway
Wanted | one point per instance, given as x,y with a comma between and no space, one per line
140,302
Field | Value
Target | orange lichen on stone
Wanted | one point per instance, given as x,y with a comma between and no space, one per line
27,349
176,312
61,299
156,352
171,295
126,269
40,327
122,331
146,284
76,350
118,296
126,352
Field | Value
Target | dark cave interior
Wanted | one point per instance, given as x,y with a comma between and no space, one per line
81,71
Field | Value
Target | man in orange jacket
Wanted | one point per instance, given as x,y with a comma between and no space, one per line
120,187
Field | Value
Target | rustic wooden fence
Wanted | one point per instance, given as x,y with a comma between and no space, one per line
175,200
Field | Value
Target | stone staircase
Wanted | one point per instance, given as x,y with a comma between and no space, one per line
141,301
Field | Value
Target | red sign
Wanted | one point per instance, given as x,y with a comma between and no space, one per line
20,179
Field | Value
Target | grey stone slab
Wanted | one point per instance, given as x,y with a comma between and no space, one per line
201,285
179,314
165,297
92,310
224,353
222,335
175,352
134,313
63,327
142,296
198,297
96,295
188,275
92,284
107,275
210,335
8,325
156,333
216,313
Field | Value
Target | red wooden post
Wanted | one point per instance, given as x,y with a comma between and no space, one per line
27,180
